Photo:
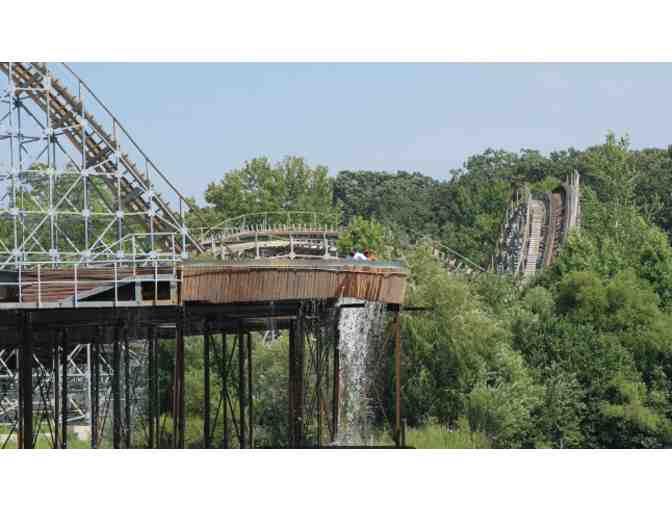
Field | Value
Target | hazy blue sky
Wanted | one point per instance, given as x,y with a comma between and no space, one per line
199,120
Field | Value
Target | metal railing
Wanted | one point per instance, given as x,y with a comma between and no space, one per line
278,221
67,284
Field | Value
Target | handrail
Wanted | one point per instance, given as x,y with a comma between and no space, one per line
287,213
130,138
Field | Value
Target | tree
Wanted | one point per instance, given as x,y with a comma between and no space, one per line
362,234
261,186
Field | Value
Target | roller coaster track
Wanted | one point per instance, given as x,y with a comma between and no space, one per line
274,234
535,227
101,186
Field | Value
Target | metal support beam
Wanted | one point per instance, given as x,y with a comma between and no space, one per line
26,381
95,393
250,400
127,394
55,366
397,381
241,387
336,381
116,388
157,391
318,383
206,388
224,370
178,384
64,389
151,383
296,382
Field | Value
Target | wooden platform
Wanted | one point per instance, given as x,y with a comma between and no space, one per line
215,283
292,280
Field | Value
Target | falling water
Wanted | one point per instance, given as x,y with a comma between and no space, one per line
358,329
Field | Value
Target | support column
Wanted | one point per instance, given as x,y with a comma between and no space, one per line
127,393
224,371
318,383
157,391
336,380
26,381
178,384
397,381
95,392
206,388
116,388
151,355
64,389
250,399
241,387
296,375
290,385
55,365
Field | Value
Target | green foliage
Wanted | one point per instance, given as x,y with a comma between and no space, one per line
362,234
579,357
260,186
437,436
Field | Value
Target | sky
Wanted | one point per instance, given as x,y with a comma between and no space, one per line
198,121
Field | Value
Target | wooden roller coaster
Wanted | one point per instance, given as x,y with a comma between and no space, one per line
535,227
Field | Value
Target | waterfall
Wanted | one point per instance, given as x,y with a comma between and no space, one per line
358,330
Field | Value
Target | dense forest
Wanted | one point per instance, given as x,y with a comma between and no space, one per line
578,357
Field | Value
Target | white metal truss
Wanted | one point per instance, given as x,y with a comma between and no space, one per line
74,186
80,390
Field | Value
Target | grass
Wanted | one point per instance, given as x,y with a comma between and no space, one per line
438,436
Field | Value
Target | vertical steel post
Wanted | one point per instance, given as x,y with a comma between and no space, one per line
397,381
290,384
206,387
157,400
116,389
318,383
95,393
178,400
150,384
225,390
57,389
64,389
241,386
250,399
26,381
336,381
296,375
127,393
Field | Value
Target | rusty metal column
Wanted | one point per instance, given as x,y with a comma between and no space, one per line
397,381
157,392
296,376
290,385
178,384
241,386
95,392
151,348
55,365
224,375
127,393
26,381
318,383
206,387
116,388
250,401
336,380
64,389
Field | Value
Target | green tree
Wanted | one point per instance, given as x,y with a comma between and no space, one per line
362,234
261,186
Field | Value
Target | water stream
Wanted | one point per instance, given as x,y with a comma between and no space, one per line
358,329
